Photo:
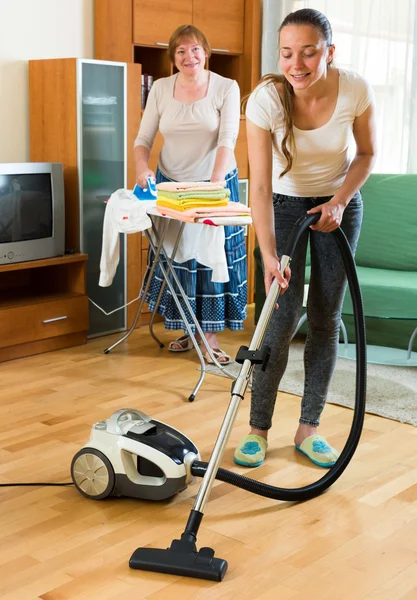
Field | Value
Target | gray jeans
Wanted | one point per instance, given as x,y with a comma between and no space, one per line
325,298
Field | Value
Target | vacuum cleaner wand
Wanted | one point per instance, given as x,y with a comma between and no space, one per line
182,557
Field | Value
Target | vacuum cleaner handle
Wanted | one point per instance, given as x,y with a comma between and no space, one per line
127,414
270,302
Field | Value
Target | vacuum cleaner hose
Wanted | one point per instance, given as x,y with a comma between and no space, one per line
307,492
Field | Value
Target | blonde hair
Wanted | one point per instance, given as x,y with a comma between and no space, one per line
188,32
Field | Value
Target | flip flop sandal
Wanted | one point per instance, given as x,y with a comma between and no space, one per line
181,344
219,355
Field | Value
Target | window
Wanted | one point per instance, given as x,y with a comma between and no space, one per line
376,38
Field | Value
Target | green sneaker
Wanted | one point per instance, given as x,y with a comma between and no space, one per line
251,451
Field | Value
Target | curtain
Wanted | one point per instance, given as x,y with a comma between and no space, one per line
378,40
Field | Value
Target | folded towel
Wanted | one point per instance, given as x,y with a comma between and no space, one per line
219,194
231,210
175,214
232,220
179,186
189,203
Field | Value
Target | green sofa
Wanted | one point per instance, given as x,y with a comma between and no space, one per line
386,260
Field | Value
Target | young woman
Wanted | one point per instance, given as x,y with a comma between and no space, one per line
198,114
300,125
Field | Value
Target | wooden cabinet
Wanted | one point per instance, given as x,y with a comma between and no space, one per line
139,30
43,306
86,114
155,20
222,23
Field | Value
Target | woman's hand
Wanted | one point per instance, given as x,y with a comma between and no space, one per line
217,177
142,178
272,271
331,215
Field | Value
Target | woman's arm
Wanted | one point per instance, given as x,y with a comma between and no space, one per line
223,157
228,132
141,155
260,183
359,171
147,131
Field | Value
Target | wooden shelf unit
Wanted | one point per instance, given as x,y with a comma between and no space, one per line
43,306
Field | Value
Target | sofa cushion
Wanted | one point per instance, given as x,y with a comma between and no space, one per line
385,293
388,238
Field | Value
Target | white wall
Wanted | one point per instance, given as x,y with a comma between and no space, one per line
31,29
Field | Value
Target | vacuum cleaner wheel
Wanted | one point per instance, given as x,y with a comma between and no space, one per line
92,474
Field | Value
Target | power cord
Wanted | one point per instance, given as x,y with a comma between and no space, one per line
34,484
116,309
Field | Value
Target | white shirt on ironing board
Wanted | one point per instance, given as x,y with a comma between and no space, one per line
204,243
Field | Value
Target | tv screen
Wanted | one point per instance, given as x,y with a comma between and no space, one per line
32,211
26,211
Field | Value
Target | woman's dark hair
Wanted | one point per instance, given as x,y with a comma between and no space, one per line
310,16
316,19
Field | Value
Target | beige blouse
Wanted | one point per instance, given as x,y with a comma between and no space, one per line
192,131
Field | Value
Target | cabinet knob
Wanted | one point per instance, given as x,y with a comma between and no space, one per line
220,50
162,44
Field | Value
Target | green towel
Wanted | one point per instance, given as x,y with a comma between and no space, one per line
217,194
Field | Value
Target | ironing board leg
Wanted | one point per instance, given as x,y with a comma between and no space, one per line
163,285
159,240
141,303
166,274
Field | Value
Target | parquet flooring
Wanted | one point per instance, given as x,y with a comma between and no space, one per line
356,542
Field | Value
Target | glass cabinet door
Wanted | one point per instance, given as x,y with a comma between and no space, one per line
102,171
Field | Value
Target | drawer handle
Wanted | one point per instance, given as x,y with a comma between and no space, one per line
162,44
220,50
55,319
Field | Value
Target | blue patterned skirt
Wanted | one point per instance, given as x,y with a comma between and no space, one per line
216,305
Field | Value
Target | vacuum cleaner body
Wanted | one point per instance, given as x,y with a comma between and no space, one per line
132,455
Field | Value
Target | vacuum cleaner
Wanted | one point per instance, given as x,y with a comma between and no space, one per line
131,454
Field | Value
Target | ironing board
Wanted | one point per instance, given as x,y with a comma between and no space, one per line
156,236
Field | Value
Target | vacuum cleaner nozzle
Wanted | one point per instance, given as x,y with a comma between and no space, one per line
182,558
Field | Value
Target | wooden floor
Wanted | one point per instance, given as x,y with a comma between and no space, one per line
357,541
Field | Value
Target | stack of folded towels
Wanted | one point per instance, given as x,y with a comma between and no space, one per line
197,202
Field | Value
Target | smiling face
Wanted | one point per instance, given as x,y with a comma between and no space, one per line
190,57
303,55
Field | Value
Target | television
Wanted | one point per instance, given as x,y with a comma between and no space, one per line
32,211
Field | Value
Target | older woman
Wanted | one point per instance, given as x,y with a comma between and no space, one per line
197,112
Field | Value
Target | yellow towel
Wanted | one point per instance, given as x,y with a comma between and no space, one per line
183,205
